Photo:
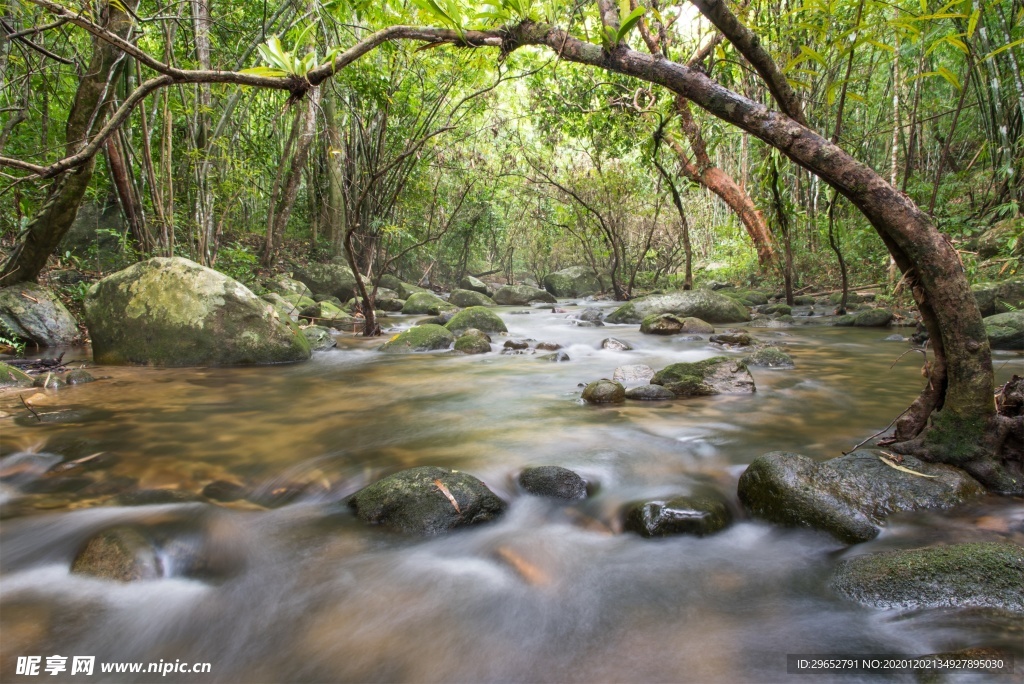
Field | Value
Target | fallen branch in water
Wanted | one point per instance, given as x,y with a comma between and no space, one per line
880,432
31,410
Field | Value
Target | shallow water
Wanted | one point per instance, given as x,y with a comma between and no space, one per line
548,593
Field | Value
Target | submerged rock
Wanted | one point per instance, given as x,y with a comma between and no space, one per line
554,482
520,295
478,317
120,553
670,324
34,314
703,304
79,376
420,501
591,314
697,514
470,298
1006,330
770,357
633,373
649,393
420,338
733,339
575,281
604,391
980,574
473,341
849,496
615,344
174,312
717,375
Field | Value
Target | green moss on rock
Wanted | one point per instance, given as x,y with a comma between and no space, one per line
420,338
717,375
706,305
467,298
478,317
1006,330
426,303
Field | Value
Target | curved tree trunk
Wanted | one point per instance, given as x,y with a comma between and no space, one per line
53,220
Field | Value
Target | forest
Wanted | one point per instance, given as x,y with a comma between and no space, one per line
817,163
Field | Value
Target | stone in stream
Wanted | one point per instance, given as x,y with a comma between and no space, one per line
869,318
320,338
575,281
849,496
614,344
698,514
420,338
717,375
475,285
995,298
49,381
154,497
633,373
33,314
119,553
977,574
778,309
426,303
426,501
703,304
283,285
79,377
548,346
478,317
521,295
557,357
473,341
174,312
649,393
1006,330
516,345
466,298
14,377
770,357
591,314
670,324
604,391
554,482
225,490
333,278
732,339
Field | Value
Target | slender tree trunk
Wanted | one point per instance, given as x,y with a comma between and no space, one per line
678,202
53,220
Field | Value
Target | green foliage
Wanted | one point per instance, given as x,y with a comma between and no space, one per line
9,339
238,261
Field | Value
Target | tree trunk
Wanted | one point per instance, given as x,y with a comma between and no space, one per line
53,220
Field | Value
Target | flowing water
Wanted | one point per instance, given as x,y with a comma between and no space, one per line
306,593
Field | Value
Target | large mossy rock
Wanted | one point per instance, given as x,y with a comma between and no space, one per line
420,338
770,357
604,391
333,278
575,281
35,315
14,377
995,298
521,295
849,496
717,375
416,501
478,317
869,318
425,303
971,575
706,305
670,324
475,285
284,285
174,312
466,298
473,341
1006,330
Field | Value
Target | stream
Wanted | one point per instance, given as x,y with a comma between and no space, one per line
303,592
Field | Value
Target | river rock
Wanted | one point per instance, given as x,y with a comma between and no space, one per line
575,281
591,314
615,344
698,514
706,305
754,297
849,496
554,482
732,339
717,375
978,574
475,285
333,278
283,285
604,391
320,338
174,312
649,393
670,324
79,376
777,309
332,315
425,303
470,298
285,309
225,490
994,298
388,300
419,339
14,377
558,357
520,295
770,357
406,290
869,318
33,314
473,341
48,381
633,373
479,317
119,553
416,501
804,300
1006,330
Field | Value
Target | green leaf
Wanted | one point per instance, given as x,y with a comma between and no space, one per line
949,76
631,20
972,23
1003,48
816,56
264,71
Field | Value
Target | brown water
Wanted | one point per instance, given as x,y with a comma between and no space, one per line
549,593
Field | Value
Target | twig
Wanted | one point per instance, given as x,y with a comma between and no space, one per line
880,432
912,349
31,410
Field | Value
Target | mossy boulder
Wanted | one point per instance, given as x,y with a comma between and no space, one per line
320,338
755,297
717,375
285,309
851,298
79,376
521,295
119,553
575,281
406,290
869,318
475,285
305,306
392,282
332,315
387,299
13,377
426,303
649,393
333,278
283,285
670,324
995,298
473,341
478,317
553,482
604,391
698,514
770,357
778,309
849,496
804,300
420,338
466,298
1006,330
33,314
706,305
969,575
732,339
997,239
174,312
420,501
